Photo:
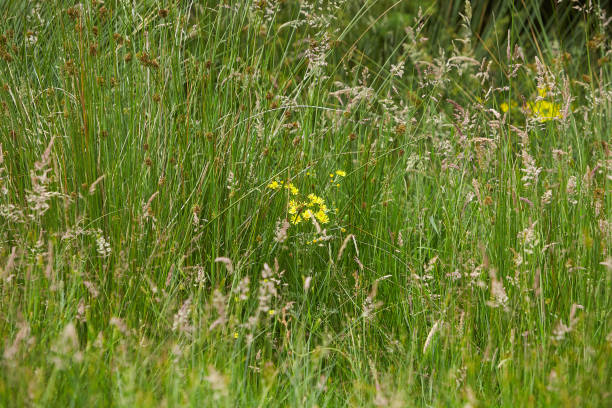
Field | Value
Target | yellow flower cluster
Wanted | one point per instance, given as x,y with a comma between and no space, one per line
505,107
303,210
337,175
541,109
544,110
312,206
275,185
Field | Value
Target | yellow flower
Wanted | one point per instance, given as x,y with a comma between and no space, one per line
296,219
271,312
306,214
315,200
274,185
542,92
504,107
235,335
341,173
292,189
342,229
322,217
293,206
544,110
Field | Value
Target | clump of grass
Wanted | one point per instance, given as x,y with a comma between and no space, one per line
295,203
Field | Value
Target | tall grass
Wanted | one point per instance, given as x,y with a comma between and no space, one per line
283,203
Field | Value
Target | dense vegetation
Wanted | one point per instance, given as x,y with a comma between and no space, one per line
305,203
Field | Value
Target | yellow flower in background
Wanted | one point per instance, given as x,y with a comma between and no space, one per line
544,111
505,107
542,92
341,173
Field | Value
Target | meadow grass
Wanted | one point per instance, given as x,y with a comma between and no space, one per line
295,203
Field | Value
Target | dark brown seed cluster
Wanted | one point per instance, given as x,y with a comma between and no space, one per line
146,60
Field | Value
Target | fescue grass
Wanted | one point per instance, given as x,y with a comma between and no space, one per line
276,203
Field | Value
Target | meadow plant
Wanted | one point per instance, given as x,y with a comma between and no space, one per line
305,203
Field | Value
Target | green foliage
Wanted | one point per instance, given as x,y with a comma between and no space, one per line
450,167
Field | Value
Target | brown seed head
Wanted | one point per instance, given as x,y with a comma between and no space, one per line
73,13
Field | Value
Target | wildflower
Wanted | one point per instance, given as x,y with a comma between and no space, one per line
505,107
542,92
292,189
341,173
235,335
294,206
544,111
296,219
274,185
315,200
322,217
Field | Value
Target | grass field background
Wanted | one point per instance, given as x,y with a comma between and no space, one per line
305,203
